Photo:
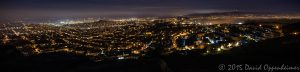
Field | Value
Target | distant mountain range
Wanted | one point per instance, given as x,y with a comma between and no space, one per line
237,13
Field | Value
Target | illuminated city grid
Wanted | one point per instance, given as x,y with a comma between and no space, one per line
134,38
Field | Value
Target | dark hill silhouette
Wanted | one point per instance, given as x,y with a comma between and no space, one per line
232,13
294,27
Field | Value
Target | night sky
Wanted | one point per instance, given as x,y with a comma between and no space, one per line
141,7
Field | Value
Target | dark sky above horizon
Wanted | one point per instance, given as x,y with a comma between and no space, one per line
141,7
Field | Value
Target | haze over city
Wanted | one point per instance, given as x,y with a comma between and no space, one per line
141,7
